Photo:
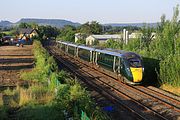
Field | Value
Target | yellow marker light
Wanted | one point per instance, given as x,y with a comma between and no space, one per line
137,74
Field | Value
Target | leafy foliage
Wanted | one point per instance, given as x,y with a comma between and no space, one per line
147,36
170,69
133,45
68,33
114,44
81,41
24,25
46,70
73,99
47,32
91,28
115,30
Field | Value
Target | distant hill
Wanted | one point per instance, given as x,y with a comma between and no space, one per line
130,24
61,23
53,22
4,24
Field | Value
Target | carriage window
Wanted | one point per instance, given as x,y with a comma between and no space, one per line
134,62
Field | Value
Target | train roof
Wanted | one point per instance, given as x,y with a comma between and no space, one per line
129,55
115,50
125,53
85,47
62,42
109,52
73,45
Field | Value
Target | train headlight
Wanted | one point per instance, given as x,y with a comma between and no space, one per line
128,69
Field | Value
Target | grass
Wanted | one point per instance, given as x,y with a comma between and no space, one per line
172,89
22,96
34,102
35,94
39,112
38,102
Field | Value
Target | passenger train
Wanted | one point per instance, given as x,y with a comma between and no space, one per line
122,65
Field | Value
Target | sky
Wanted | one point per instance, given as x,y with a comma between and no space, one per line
103,11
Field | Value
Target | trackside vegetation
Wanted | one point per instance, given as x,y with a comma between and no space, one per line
54,94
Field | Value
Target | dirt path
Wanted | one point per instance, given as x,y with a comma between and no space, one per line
13,60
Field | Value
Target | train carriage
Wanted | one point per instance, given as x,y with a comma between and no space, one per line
107,59
72,49
85,53
63,46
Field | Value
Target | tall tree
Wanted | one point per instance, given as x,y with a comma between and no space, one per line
96,28
68,33
47,32
91,28
24,25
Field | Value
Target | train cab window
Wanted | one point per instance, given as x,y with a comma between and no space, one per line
134,62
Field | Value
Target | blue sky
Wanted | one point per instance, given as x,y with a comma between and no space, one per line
103,11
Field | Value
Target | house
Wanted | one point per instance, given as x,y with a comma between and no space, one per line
27,33
80,36
77,37
101,38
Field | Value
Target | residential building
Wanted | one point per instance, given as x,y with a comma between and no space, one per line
27,33
101,38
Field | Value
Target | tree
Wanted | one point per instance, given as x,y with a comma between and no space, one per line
114,44
48,32
167,41
85,29
146,36
68,33
91,28
24,25
81,41
96,28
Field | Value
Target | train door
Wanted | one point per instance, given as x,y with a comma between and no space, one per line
122,66
114,64
96,57
91,57
118,65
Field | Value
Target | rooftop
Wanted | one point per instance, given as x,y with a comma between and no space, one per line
106,36
26,30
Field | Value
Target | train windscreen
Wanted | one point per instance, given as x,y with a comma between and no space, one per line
135,62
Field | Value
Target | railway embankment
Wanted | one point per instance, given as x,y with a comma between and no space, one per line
48,94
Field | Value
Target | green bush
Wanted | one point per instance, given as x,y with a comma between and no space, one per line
114,44
73,99
170,69
46,69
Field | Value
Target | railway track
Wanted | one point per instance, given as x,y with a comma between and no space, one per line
142,102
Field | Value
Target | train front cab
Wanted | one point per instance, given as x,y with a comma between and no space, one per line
132,70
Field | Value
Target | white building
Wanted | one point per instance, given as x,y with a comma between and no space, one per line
101,38
135,35
77,37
